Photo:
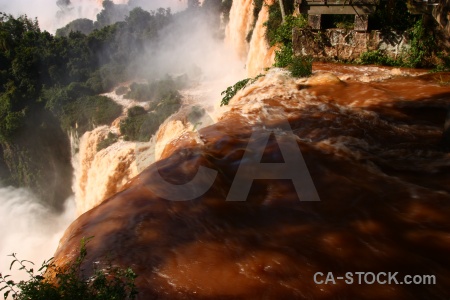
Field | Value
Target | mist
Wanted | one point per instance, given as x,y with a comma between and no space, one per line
192,43
51,17
29,228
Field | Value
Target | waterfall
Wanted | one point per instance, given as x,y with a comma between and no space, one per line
260,55
257,54
240,24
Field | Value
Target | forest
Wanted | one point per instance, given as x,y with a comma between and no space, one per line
50,86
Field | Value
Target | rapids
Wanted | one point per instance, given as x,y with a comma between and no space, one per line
371,140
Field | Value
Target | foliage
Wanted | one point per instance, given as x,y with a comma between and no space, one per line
140,125
444,65
122,90
301,66
231,91
281,33
87,112
110,14
156,90
392,15
343,21
422,46
378,57
283,57
108,141
85,26
59,76
107,282
282,36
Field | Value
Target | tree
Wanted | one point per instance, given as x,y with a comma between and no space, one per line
193,3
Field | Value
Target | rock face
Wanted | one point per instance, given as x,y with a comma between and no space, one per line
439,9
372,153
441,13
347,45
39,158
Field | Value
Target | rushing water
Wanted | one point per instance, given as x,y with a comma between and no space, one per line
370,138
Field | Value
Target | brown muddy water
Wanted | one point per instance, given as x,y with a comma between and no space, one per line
371,140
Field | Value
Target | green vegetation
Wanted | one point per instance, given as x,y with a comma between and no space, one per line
49,86
110,139
164,100
122,90
85,26
378,57
344,21
196,114
299,66
69,282
422,47
231,91
140,124
156,90
275,20
89,112
444,64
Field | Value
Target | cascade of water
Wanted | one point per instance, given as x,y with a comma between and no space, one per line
260,55
240,24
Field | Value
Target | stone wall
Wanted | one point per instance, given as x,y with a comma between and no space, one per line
346,45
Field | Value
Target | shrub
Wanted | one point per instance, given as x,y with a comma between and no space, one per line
122,90
378,57
156,90
139,92
87,112
141,125
283,57
422,46
108,141
69,282
301,66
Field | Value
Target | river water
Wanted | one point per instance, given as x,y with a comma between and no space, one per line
371,141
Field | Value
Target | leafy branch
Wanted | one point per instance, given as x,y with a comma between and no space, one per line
231,91
107,282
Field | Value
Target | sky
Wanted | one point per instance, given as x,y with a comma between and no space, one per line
46,11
